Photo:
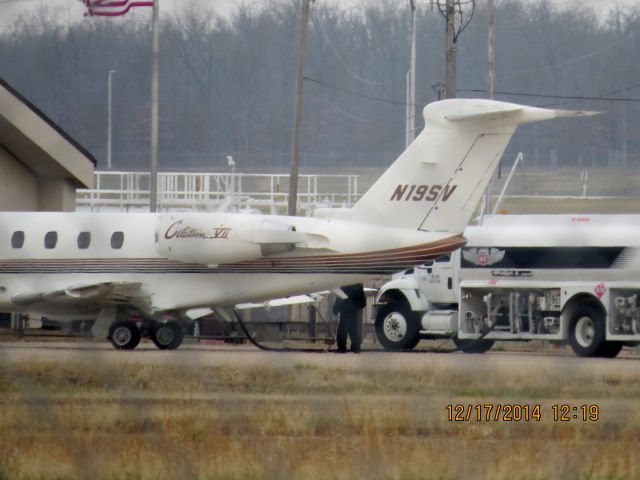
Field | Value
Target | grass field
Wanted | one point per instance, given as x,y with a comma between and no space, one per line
68,420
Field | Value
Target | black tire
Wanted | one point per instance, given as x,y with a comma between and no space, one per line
397,327
166,336
473,346
124,335
610,349
586,331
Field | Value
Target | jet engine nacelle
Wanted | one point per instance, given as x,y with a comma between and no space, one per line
218,239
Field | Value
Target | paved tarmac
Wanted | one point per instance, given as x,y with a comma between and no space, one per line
88,352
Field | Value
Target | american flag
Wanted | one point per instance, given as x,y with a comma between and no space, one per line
113,8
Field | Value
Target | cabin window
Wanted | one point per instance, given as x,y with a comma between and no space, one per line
117,239
50,240
17,239
84,240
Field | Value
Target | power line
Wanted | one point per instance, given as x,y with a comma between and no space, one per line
329,42
571,61
356,94
613,92
604,98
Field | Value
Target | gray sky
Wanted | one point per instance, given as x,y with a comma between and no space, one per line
72,10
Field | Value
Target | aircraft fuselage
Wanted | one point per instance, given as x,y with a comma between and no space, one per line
271,256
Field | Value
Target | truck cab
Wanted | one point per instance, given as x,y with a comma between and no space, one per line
421,303
437,281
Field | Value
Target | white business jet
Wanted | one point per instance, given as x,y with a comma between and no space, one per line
131,271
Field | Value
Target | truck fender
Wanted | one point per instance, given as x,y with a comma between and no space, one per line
403,288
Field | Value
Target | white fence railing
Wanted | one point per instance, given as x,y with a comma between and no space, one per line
129,191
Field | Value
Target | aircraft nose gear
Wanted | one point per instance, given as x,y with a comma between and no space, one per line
124,335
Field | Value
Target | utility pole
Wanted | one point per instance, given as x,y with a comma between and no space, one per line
487,193
153,174
411,81
438,88
490,52
624,134
458,15
297,113
451,53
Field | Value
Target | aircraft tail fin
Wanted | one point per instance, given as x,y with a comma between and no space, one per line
437,182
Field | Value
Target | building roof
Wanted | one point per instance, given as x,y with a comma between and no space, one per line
38,142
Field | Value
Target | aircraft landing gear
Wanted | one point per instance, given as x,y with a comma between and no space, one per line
124,335
166,336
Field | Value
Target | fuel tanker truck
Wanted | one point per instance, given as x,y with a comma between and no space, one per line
563,278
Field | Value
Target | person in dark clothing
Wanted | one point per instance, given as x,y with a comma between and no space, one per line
349,310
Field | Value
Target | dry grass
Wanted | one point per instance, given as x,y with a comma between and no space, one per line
158,421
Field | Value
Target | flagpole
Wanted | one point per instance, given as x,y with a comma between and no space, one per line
153,177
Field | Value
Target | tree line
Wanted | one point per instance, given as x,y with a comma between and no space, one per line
227,84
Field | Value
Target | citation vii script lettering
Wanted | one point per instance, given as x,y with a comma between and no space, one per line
176,230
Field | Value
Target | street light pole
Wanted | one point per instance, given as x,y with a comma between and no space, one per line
411,81
153,174
490,52
109,131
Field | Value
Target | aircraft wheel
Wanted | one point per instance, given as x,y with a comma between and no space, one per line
610,349
397,327
124,335
586,331
473,346
166,336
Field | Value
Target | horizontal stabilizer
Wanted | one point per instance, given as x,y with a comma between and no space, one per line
466,114
576,113
524,114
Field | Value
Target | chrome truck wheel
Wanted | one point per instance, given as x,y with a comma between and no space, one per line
586,331
397,327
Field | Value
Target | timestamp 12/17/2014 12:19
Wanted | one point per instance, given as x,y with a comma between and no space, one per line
498,412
